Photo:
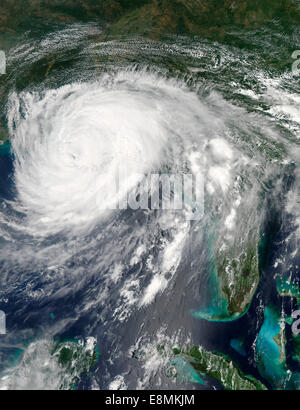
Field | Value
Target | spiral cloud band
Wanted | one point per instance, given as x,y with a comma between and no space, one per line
72,144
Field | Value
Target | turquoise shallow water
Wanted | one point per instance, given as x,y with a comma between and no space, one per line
185,371
237,345
5,148
271,358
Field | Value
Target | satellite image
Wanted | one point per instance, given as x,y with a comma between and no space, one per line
149,195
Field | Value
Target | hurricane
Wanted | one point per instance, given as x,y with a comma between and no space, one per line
148,298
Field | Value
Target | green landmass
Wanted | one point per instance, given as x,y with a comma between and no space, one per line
215,365
240,277
212,18
75,359
289,288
